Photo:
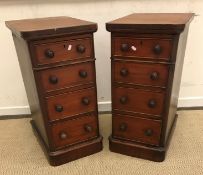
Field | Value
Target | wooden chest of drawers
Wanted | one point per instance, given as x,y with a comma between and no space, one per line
57,61
147,52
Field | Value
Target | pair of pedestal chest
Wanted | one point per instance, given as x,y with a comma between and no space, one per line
57,60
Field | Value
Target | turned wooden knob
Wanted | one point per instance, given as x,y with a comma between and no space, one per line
63,135
59,108
124,47
124,72
152,103
85,101
88,128
53,79
80,48
148,132
83,74
123,127
123,99
154,76
49,53
157,49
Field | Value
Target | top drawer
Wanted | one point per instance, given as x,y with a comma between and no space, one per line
150,48
58,51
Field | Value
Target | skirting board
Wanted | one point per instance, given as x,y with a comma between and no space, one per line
102,106
190,101
14,110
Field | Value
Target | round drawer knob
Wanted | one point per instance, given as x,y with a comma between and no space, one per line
88,128
152,103
85,101
123,100
63,135
49,53
83,74
148,132
80,48
124,47
157,49
59,108
53,79
124,72
123,127
154,76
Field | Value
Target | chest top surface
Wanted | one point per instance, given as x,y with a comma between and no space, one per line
31,28
151,21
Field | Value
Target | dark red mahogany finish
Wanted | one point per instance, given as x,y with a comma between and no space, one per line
56,57
147,53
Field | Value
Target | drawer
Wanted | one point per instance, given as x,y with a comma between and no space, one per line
141,73
74,131
70,104
137,129
66,76
54,52
151,48
138,100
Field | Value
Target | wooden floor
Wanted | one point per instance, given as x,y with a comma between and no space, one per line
20,152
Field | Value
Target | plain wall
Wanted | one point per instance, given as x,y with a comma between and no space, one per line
13,98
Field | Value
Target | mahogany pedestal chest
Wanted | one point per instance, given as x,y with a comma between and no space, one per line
147,52
57,61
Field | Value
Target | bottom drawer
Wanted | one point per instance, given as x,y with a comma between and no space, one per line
74,131
137,129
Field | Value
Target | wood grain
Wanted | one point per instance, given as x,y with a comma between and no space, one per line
66,76
138,100
175,86
75,131
141,73
151,23
46,27
32,91
71,103
63,50
136,129
144,47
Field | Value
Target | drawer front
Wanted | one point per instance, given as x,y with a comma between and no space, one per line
74,131
141,73
137,129
138,100
66,76
142,47
69,104
53,52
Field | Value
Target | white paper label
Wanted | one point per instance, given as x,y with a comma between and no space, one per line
69,47
133,48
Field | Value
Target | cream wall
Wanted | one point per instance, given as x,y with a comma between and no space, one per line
13,98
